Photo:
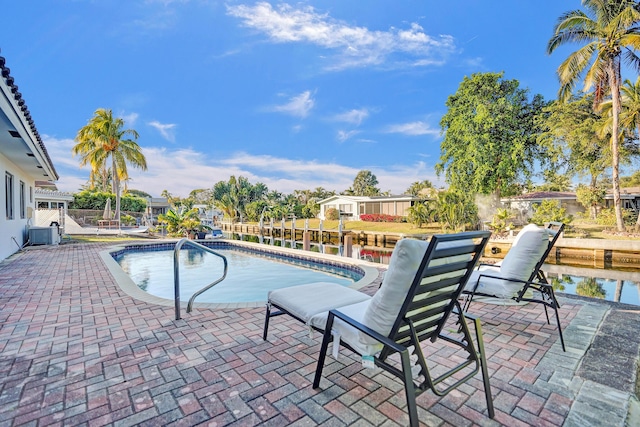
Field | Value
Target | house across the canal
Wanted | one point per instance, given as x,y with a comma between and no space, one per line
525,204
352,207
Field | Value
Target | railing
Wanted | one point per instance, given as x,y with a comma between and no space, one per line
176,274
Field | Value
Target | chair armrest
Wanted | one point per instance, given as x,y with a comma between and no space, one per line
485,264
366,330
475,287
524,282
465,314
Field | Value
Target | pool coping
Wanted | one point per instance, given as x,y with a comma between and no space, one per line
128,286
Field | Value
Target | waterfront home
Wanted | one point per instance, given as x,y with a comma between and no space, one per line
23,161
524,204
156,206
630,197
352,207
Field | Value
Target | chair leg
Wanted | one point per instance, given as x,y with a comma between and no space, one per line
555,307
546,313
554,304
266,322
326,339
409,389
483,366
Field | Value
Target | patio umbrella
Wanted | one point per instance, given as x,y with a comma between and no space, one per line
107,210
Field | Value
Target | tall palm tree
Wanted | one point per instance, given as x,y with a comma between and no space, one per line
629,119
102,139
610,33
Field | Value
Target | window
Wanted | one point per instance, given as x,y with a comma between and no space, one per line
30,194
23,201
8,191
347,208
43,205
372,207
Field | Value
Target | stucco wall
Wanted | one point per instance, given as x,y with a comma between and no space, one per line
17,227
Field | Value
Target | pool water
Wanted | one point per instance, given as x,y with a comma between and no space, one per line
249,277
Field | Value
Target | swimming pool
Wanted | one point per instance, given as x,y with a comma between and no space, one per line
251,274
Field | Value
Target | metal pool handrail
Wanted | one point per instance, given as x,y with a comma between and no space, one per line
176,274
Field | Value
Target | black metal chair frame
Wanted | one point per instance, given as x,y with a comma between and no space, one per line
416,323
537,282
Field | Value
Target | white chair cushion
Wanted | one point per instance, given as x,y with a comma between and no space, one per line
386,303
526,251
304,301
346,333
491,286
381,311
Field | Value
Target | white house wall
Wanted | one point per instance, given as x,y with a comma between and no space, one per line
352,209
13,233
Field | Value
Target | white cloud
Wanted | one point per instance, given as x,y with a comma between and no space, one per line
180,171
130,119
397,178
354,46
344,135
60,151
298,106
353,116
413,128
166,130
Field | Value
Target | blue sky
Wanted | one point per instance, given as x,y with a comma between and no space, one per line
296,95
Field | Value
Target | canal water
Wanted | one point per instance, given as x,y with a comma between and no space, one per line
611,285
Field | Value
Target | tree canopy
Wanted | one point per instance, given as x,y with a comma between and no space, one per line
489,135
608,31
421,189
364,184
570,140
102,139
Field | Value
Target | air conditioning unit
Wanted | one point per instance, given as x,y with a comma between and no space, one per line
44,235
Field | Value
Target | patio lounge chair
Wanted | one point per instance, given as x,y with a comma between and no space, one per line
518,278
418,294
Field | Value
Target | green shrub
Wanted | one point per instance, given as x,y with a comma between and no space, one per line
607,217
96,200
332,214
422,213
127,220
500,223
456,210
550,210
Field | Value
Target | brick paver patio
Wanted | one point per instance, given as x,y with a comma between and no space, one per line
76,350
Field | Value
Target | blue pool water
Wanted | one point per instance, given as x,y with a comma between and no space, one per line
250,276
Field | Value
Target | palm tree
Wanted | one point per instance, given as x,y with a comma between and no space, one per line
630,114
629,119
180,223
611,30
103,139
